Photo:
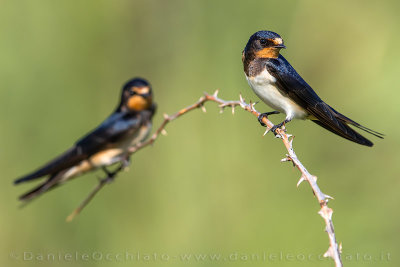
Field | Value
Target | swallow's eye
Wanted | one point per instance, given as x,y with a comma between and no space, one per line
264,41
131,92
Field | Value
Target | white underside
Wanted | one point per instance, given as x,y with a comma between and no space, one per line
265,88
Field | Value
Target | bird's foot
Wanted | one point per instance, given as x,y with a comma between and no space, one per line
106,171
279,126
275,127
266,114
110,175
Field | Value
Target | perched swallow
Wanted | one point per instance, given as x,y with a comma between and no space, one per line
278,84
109,143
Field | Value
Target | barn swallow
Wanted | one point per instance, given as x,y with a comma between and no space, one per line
278,85
109,143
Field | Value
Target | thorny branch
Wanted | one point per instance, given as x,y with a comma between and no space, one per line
334,249
102,182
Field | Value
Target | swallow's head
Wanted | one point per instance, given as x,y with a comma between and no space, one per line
264,44
137,95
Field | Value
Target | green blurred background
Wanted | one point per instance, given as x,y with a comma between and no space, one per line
214,185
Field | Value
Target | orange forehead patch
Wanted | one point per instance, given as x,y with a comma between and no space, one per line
141,90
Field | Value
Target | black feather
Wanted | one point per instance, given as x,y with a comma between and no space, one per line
50,183
64,161
293,86
110,131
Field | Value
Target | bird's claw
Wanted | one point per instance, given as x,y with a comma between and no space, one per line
107,171
274,128
266,114
110,175
278,126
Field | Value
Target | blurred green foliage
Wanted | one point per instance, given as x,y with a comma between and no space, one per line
213,185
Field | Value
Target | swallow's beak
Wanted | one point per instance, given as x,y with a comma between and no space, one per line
148,95
280,46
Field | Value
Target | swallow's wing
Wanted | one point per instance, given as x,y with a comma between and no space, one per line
291,84
109,132
68,159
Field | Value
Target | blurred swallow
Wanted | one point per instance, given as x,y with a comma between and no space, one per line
278,85
109,143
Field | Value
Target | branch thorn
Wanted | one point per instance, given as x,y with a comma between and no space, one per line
329,253
216,93
300,181
241,97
